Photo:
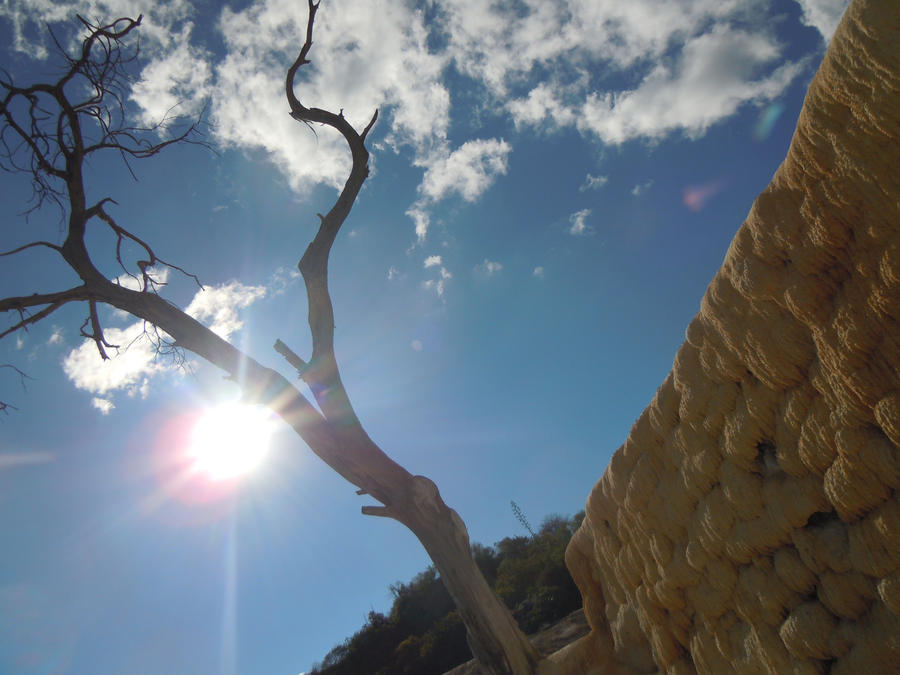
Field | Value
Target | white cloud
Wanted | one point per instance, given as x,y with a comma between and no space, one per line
687,65
366,56
421,218
134,360
416,345
467,171
19,342
438,285
489,268
104,405
541,103
159,275
134,363
56,337
156,27
578,222
713,77
393,273
174,84
593,182
432,261
613,71
823,15
538,272
641,188
217,306
282,279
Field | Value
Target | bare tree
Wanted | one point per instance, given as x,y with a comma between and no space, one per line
50,130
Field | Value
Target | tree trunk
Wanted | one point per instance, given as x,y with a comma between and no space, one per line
333,431
494,637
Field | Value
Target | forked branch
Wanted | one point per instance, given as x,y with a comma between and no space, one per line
49,131
414,501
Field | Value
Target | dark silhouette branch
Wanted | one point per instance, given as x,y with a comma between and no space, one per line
415,501
147,281
96,333
49,130
53,142
53,301
4,406
33,244
55,133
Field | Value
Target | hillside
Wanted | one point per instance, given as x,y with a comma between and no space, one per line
423,632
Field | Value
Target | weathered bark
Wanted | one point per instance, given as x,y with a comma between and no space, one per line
415,501
494,637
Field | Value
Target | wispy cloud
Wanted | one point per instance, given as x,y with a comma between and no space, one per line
11,460
27,15
56,337
135,363
432,261
593,183
176,82
282,279
218,306
578,222
538,272
823,15
688,66
466,172
489,268
641,188
439,285
713,77
104,405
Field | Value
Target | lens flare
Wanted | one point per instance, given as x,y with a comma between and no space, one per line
230,440
695,197
766,121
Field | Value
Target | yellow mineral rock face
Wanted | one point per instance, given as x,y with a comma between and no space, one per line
751,520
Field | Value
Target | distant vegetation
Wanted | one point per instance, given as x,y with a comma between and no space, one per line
423,633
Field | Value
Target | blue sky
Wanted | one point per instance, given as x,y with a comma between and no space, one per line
553,186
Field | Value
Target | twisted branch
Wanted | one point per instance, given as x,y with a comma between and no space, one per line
51,136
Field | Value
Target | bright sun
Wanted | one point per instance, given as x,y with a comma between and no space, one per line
230,440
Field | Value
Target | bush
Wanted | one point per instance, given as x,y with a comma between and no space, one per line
424,634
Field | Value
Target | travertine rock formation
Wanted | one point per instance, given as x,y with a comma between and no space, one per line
751,520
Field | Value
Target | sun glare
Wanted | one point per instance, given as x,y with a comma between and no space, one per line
230,440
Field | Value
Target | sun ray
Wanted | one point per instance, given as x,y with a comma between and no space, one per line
230,440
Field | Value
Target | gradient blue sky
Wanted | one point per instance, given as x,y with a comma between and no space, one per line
554,185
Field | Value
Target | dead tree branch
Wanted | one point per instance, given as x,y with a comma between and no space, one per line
415,501
4,406
48,134
48,131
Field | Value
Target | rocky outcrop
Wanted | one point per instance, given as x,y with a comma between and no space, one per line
751,520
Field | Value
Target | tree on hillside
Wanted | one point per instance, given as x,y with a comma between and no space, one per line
51,130
423,634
